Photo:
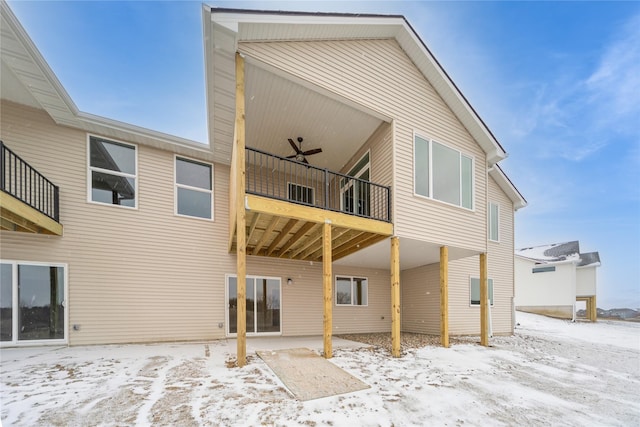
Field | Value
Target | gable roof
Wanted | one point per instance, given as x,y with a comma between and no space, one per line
560,252
28,80
224,28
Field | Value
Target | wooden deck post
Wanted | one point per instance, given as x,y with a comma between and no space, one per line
241,216
395,297
593,314
484,304
326,285
444,296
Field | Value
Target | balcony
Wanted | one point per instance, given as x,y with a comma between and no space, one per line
29,202
287,202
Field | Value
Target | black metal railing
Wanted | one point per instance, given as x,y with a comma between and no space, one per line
25,183
285,179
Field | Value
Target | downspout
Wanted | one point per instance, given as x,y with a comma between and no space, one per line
486,241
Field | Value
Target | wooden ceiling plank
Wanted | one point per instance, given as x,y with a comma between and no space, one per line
266,235
301,232
285,231
252,227
314,237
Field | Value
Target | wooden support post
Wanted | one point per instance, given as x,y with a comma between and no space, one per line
241,216
326,282
444,296
484,303
395,297
594,310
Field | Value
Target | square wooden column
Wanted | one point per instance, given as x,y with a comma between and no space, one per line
593,313
484,302
327,289
444,296
241,217
395,297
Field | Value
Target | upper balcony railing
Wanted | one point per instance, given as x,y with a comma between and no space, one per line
23,182
296,182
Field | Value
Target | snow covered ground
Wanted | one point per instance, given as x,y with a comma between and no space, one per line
552,372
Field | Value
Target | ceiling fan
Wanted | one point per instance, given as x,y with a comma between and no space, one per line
301,155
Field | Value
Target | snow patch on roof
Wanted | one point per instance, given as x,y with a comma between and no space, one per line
559,252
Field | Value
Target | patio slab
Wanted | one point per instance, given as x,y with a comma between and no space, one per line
308,376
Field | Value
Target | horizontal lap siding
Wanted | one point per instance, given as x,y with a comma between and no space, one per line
134,275
147,275
500,258
420,299
378,75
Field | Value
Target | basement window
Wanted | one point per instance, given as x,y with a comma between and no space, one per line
352,290
475,290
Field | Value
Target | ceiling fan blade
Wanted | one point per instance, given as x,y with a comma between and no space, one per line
293,156
305,161
295,147
314,151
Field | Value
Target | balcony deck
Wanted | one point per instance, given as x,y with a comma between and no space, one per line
287,202
29,202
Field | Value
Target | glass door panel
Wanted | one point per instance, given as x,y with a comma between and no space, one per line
263,305
41,302
233,305
6,302
268,305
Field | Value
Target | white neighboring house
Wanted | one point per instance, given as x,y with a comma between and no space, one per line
550,279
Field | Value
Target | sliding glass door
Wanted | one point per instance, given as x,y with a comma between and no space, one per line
263,305
32,302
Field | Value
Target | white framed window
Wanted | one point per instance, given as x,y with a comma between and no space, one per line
494,222
474,290
300,193
193,188
112,168
33,303
442,173
352,290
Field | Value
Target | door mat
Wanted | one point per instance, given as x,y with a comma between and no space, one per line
309,376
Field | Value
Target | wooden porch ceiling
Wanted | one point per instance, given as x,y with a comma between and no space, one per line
16,215
281,229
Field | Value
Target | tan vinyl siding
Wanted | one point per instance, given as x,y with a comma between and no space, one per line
378,75
421,291
420,299
144,275
302,307
380,147
501,260
134,274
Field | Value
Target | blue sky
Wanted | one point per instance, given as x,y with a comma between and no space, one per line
558,83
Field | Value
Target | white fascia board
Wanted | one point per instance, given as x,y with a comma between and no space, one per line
140,133
232,20
507,186
34,55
